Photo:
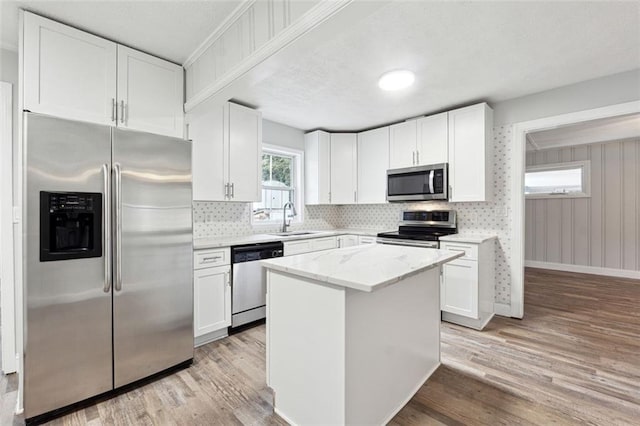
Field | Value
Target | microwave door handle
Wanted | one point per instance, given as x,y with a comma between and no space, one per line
431,173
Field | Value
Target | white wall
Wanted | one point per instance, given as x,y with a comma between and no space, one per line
600,231
9,73
590,94
278,134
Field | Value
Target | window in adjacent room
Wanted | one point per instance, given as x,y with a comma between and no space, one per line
558,180
281,183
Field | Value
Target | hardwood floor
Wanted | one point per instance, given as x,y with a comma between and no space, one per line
573,359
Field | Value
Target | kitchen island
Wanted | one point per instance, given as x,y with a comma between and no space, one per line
352,333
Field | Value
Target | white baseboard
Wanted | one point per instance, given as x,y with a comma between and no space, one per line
502,309
581,269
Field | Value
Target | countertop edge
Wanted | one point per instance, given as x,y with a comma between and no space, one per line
356,286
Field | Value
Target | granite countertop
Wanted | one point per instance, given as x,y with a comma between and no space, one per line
468,238
226,241
365,268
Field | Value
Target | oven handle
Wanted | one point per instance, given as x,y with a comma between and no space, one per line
106,208
406,243
118,225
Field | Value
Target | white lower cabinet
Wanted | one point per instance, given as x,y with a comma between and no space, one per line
211,295
467,285
347,241
307,246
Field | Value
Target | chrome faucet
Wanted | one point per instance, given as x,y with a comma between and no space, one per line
284,214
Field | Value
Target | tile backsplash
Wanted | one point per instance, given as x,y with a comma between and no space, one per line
213,219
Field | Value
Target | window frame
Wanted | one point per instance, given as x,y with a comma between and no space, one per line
297,186
585,165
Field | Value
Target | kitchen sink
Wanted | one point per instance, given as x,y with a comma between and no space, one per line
293,233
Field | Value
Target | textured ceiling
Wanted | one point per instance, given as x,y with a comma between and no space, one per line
593,131
461,52
168,29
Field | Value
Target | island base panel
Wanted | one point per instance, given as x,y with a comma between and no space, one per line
341,356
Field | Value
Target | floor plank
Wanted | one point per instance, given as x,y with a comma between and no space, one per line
573,359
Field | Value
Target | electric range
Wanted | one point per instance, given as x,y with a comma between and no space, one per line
421,228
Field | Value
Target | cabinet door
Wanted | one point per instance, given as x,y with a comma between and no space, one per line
211,299
343,168
433,140
347,241
317,177
297,247
402,144
373,162
366,240
245,153
459,292
206,131
68,73
470,173
150,95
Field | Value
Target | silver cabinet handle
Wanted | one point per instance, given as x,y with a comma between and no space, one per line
209,259
113,109
226,190
122,112
417,157
413,161
118,225
107,227
233,191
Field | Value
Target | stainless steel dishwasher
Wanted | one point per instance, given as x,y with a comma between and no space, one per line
248,281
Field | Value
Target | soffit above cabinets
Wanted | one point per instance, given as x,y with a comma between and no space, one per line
588,132
168,29
461,53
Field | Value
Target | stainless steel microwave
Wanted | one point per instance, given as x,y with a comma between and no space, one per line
418,183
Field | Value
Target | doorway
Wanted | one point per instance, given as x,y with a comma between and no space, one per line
520,132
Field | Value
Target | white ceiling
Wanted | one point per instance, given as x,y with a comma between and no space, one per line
587,132
461,52
168,29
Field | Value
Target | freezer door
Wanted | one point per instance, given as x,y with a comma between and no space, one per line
67,343
153,291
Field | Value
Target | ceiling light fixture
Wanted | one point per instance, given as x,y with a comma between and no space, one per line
396,80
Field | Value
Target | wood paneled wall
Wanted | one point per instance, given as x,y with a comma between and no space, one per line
601,231
248,30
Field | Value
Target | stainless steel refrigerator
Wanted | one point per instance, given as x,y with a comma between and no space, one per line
108,259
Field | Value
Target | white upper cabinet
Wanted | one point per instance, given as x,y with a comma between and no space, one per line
344,165
149,93
227,151
72,74
317,170
402,144
206,131
470,153
432,141
419,142
245,152
67,72
373,162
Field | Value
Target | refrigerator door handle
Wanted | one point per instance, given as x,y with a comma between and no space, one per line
107,227
118,226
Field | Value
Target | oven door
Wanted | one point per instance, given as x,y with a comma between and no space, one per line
418,183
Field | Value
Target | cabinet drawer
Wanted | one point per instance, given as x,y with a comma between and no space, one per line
297,247
324,243
470,250
366,240
209,258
